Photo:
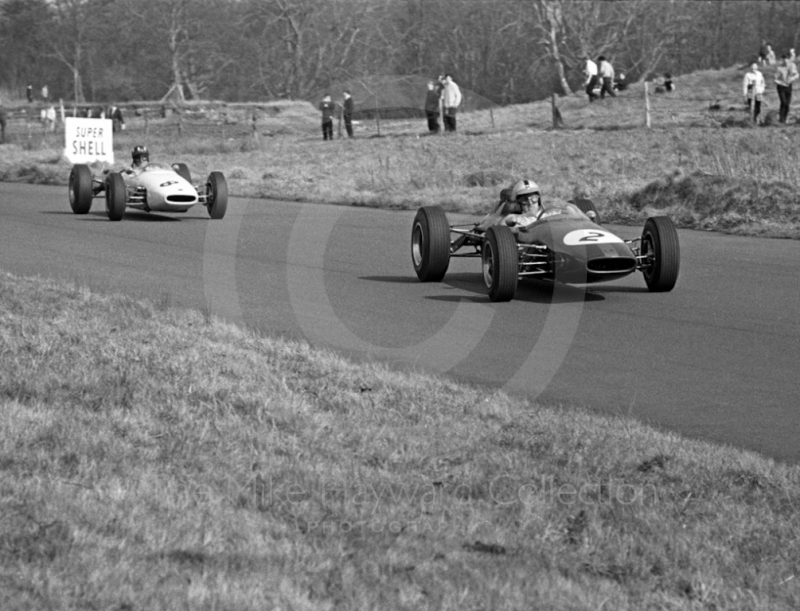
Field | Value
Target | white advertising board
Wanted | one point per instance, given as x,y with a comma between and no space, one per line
87,140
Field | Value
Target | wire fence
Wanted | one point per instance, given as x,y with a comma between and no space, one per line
640,106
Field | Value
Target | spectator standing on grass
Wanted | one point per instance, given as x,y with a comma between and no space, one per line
347,113
770,55
590,71
45,93
762,52
117,120
753,86
669,86
606,72
29,93
2,125
785,75
327,108
451,99
432,107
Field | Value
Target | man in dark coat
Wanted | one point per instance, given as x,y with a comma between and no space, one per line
327,107
432,98
347,114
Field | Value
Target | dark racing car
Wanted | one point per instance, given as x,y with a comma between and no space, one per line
559,242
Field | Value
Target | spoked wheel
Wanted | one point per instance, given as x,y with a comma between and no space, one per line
662,254
430,244
500,257
80,189
116,196
217,195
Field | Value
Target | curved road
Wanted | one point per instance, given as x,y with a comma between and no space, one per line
717,358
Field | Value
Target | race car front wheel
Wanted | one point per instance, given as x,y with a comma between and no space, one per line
662,254
80,189
116,196
500,263
217,195
430,244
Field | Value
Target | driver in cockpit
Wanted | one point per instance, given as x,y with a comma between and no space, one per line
520,205
141,157
524,206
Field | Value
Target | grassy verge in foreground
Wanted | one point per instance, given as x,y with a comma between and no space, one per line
153,458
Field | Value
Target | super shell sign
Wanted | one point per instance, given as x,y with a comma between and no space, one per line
87,140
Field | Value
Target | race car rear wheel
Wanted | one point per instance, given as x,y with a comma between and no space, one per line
116,196
430,244
662,253
588,208
80,189
217,195
500,263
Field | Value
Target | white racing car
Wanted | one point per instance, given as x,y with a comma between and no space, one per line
154,187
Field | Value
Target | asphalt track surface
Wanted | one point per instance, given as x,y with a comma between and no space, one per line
718,358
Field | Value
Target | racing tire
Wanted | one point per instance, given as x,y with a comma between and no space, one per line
430,244
217,195
116,196
660,245
182,170
588,208
80,189
500,258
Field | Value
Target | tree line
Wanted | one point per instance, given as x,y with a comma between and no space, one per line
508,51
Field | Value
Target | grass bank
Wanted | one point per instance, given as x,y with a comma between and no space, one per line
154,458
707,169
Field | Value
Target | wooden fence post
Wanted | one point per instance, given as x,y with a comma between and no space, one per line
646,106
377,115
255,127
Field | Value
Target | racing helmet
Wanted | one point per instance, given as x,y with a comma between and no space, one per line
526,191
140,155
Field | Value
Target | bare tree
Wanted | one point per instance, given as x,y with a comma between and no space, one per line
69,37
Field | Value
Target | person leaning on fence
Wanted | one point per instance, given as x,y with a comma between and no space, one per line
432,107
753,86
785,75
606,72
451,100
347,113
620,82
590,71
327,108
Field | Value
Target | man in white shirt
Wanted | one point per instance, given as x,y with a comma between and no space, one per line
451,100
590,70
753,86
606,72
